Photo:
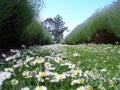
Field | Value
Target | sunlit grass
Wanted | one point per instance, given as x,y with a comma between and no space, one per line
77,67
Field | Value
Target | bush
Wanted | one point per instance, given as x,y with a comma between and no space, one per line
104,20
15,15
35,33
104,36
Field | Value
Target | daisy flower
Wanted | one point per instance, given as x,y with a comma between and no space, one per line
3,76
74,82
76,55
25,88
38,60
81,88
8,69
81,81
88,87
41,88
47,65
60,77
26,74
14,82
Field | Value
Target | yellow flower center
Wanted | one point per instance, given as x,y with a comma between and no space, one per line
47,64
81,80
40,88
89,88
43,74
61,77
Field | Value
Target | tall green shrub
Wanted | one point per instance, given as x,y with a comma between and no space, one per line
104,20
15,15
35,33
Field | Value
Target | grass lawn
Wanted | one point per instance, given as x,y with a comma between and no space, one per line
63,67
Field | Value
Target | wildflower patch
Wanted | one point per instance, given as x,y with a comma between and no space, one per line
28,70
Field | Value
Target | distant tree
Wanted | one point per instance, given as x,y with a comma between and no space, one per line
56,27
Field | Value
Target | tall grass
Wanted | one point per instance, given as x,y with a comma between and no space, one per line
107,18
15,15
35,33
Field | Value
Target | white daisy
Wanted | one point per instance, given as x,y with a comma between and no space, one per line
60,77
8,69
25,88
14,82
41,88
74,82
3,76
81,88
76,55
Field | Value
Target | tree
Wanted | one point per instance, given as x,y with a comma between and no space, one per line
56,27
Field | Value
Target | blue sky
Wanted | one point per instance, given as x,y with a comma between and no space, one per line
73,12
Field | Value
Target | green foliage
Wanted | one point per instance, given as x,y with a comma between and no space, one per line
56,27
15,15
107,18
35,33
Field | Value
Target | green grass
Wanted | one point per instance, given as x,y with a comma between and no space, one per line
35,33
107,18
89,66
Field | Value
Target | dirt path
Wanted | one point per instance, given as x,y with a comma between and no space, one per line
54,47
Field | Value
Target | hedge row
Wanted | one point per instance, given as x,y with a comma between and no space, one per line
17,18
35,33
102,27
